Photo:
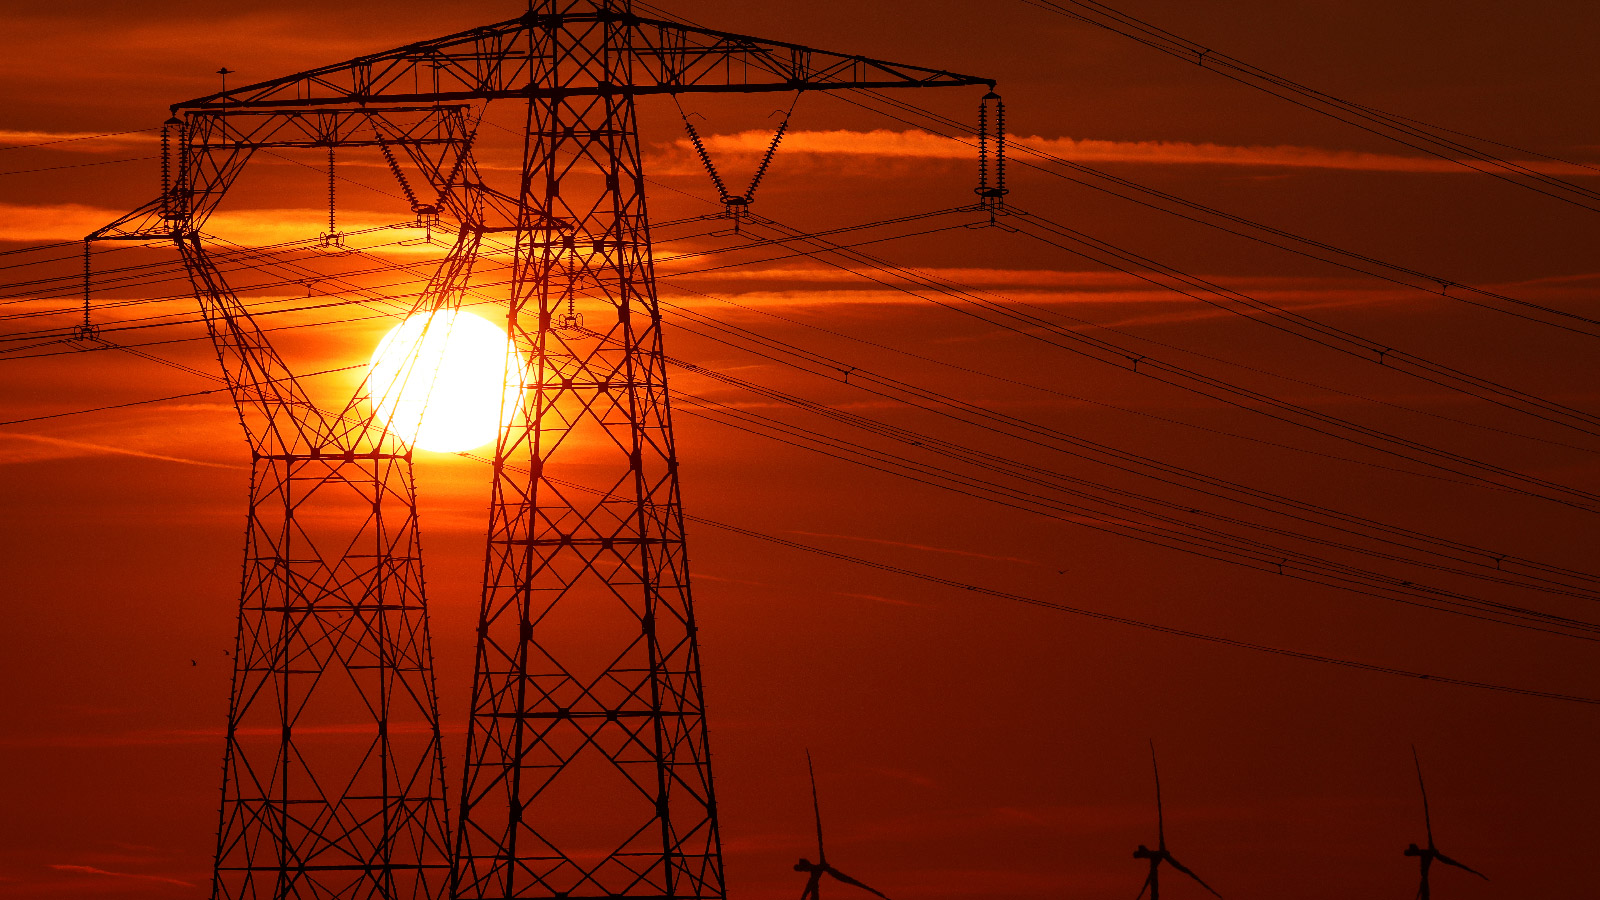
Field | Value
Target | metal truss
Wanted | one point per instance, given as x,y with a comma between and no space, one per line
333,775
509,61
588,771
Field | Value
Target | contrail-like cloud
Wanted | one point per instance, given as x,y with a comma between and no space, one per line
924,145
251,227
75,141
91,870
100,449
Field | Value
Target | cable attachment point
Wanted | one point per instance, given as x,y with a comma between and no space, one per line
737,206
332,240
571,320
991,196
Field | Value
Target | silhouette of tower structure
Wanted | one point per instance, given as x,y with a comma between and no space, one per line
333,631
588,768
1152,881
1427,856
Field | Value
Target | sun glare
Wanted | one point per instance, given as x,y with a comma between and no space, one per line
437,379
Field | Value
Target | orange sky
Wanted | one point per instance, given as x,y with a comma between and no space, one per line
966,746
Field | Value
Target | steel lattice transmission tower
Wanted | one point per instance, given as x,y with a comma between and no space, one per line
333,631
588,770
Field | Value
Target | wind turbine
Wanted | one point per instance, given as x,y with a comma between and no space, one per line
1152,882
1427,855
815,870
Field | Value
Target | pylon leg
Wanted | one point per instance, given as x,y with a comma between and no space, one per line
333,783
588,773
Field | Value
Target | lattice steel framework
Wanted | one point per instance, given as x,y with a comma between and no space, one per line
588,769
333,779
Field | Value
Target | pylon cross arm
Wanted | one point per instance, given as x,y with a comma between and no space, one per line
501,61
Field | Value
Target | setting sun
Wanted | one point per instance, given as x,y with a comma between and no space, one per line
450,398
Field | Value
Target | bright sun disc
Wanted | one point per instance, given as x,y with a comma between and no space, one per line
437,379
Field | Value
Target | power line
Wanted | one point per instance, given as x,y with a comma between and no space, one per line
993,421
1408,132
82,165
1139,623
1436,286
1304,327
1143,526
1012,317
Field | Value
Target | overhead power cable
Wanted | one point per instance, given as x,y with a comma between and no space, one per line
1120,357
1121,517
994,421
1287,321
1138,623
1499,560
1404,583
1014,317
400,266
82,165
1452,146
1043,161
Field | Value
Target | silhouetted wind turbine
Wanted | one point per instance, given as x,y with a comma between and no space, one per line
819,868
1152,882
1426,855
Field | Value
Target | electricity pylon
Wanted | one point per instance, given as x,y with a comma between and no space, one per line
333,781
588,768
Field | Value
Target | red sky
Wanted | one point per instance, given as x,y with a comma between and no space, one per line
966,746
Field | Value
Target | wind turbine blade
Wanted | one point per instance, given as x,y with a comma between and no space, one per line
1450,862
1427,816
1161,821
1146,886
1185,870
848,880
816,807
813,889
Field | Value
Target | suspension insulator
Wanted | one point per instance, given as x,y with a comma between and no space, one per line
171,207
87,331
333,241
991,195
983,147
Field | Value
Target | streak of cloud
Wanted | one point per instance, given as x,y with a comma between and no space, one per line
878,598
85,448
924,145
91,870
251,227
74,141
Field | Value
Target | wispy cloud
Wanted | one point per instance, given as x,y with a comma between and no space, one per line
877,598
924,145
361,731
75,141
85,448
251,227
91,870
